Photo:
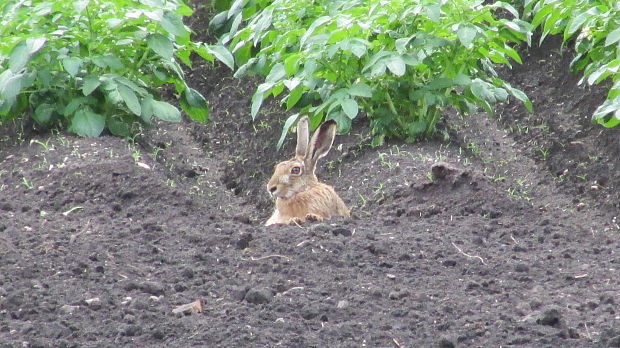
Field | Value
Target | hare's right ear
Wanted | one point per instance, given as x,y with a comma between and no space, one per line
321,142
302,137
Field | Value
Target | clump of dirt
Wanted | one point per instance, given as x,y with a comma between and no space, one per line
476,241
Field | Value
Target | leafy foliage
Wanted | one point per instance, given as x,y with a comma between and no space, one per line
88,65
400,62
593,28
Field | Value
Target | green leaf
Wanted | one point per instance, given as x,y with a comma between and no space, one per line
236,7
118,127
601,114
257,98
87,123
108,61
165,111
291,64
173,24
257,101
317,23
433,11
195,113
481,90
160,45
19,57
466,34
276,74
147,109
195,99
396,65
130,99
360,90
612,37
222,54
575,23
350,107
72,65
293,97
90,83
43,113
77,103
22,52
10,85
287,126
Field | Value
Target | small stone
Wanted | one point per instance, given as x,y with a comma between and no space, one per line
131,330
129,318
449,263
189,308
244,241
93,303
342,304
550,317
258,296
345,232
153,288
309,314
158,334
319,228
68,309
521,267
445,343
398,294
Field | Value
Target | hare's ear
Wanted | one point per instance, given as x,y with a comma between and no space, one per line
302,137
321,142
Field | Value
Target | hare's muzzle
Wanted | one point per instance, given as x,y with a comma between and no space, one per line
272,190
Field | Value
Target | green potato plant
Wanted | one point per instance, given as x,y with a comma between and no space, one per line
400,62
90,65
593,29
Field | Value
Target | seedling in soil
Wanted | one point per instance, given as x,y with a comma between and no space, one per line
135,154
583,177
363,201
386,162
45,145
499,178
473,147
156,151
544,153
72,210
27,183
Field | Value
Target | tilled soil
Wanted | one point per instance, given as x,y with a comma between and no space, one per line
504,235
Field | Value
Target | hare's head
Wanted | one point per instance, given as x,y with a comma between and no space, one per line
297,174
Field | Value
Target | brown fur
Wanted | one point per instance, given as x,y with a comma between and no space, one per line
302,197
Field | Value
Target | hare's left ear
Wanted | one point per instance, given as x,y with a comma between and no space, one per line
321,142
302,137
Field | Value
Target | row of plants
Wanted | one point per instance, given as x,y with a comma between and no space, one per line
90,65
402,63
592,29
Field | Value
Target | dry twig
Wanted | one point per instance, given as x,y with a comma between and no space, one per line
468,255
73,237
268,256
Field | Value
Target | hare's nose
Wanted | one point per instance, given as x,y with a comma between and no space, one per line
272,189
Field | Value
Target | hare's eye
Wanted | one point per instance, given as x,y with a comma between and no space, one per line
296,170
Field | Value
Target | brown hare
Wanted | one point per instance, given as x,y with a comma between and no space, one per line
299,194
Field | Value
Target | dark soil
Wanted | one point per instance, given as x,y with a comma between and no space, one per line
505,235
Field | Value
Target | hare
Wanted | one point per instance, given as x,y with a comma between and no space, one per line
299,194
